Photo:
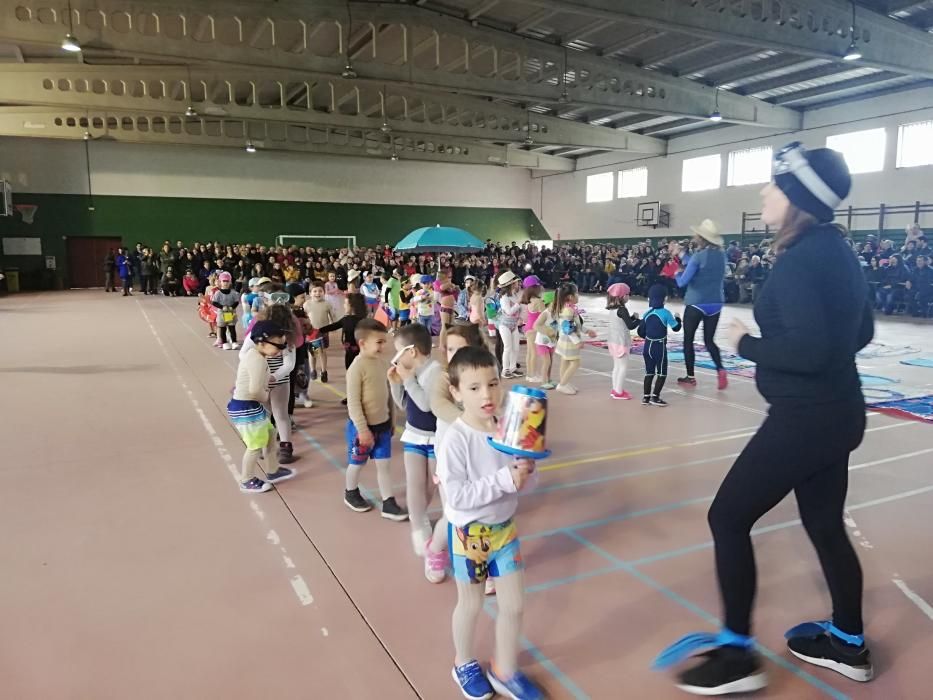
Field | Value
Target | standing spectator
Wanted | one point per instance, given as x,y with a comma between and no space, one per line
125,270
110,266
921,288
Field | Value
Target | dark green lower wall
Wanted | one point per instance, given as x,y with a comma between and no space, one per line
152,220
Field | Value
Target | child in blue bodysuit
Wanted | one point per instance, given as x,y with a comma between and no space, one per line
653,328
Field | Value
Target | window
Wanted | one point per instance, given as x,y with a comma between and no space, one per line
599,188
701,173
633,183
915,144
750,166
863,150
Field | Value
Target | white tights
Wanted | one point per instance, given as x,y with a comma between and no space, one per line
510,601
419,490
619,365
511,344
278,398
383,476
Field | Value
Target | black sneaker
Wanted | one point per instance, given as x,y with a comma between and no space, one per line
392,511
286,453
646,400
723,671
343,402
354,501
280,474
658,401
829,652
324,377
689,381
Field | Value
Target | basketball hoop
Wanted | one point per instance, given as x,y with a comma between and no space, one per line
27,211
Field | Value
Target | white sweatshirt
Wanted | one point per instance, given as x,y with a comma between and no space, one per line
476,478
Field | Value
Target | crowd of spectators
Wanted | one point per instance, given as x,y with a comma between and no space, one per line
899,278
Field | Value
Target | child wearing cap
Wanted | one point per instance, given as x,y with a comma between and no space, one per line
246,301
206,309
619,344
370,291
404,303
531,301
653,328
249,413
225,300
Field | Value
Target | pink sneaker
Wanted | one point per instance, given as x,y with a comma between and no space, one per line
435,565
723,379
620,395
218,344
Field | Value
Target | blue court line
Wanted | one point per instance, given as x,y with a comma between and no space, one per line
711,619
543,660
629,475
617,518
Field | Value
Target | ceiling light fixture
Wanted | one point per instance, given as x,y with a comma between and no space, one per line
716,115
250,148
852,53
348,72
190,111
69,43
394,157
564,97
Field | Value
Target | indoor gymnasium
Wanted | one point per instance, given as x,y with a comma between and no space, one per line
427,349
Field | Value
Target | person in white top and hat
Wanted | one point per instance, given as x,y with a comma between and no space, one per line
507,320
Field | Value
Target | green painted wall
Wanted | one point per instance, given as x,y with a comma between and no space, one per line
152,220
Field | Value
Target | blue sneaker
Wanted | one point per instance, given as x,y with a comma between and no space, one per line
518,687
472,682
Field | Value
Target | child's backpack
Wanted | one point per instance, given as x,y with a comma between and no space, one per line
492,307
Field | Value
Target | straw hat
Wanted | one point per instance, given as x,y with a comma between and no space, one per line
506,279
352,275
709,231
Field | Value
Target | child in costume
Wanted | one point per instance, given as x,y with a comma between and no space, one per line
481,487
653,328
619,344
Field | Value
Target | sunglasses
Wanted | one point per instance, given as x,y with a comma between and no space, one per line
398,355
280,346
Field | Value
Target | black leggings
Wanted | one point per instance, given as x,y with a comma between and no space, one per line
223,333
804,450
692,318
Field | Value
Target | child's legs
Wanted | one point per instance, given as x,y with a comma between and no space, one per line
439,539
509,348
510,600
249,467
270,455
223,333
384,477
567,370
619,365
322,358
278,397
416,480
530,360
546,363
232,329
469,605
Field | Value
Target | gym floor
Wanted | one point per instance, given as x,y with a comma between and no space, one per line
134,568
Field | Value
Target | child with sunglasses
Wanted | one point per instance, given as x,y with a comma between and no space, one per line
249,413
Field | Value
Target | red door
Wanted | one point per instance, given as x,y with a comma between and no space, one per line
86,260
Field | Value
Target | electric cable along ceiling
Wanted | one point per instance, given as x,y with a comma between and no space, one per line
524,83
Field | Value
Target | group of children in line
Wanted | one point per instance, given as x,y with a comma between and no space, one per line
450,410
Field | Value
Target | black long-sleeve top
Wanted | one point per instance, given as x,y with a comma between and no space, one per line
814,316
630,320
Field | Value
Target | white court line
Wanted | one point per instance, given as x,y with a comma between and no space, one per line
924,606
297,582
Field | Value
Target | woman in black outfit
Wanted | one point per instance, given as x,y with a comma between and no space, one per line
814,317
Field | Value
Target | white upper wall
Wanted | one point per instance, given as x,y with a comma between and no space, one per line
58,166
560,200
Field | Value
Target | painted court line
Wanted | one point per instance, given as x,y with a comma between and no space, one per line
667,507
924,606
705,615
